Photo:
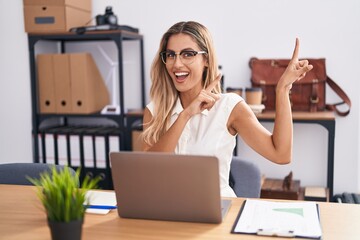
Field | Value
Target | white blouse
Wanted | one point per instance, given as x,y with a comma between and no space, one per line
207,134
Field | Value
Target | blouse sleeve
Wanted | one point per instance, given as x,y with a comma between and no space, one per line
233,99
150,106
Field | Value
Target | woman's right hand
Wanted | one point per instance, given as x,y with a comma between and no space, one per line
205,100
295,71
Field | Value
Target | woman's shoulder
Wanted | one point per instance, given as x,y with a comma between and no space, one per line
228,101
231,97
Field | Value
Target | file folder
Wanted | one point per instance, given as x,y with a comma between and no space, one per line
40,150
62,83
46,85
88,89
114,143
100,153
70,83
49,148
62,149
75,150
88,151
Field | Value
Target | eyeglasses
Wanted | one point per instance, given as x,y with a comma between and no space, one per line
187,56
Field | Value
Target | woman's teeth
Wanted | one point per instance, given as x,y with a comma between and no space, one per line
181,74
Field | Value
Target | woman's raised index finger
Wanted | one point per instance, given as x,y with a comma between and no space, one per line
213,84
296,50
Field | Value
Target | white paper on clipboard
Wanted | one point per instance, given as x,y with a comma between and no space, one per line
283,219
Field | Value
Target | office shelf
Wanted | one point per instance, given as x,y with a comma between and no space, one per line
85,128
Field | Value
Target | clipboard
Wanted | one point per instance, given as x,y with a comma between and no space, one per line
278,219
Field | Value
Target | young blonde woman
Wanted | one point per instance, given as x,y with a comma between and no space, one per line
188,114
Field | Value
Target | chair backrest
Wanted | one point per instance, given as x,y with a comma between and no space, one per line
245,178
17,173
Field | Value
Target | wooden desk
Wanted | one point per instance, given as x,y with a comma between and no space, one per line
325,119
22,217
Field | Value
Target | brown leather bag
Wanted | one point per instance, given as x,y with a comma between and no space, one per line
308,94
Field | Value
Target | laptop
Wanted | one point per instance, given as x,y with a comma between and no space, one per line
167,186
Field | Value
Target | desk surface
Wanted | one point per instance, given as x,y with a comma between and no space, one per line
324,115
22,217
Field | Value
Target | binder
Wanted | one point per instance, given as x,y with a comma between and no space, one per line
49,148
88,89
60,144
75,150
88,151
114,143
70,83
46,84
40,149
100,153
62,149
101,145
62,82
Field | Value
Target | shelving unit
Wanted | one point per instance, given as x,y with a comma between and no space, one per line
59,127
325,119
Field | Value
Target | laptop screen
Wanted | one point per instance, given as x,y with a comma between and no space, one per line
166,186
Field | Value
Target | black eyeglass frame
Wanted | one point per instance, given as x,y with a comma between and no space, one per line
163,54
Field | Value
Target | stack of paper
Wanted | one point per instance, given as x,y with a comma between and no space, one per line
100,202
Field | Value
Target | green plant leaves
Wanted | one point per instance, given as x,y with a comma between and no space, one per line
60,194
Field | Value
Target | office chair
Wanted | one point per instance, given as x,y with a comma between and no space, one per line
17,173
245,178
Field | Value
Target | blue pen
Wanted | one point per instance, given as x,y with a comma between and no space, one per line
107,207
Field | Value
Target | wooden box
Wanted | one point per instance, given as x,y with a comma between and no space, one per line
273,188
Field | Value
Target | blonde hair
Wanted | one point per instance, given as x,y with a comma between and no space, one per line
163,92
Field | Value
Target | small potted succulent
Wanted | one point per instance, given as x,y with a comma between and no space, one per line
64,201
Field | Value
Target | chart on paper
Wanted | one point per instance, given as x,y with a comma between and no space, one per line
296,218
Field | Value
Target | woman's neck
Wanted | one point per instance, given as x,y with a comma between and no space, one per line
187,97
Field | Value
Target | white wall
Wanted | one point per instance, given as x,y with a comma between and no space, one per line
15,101
241,29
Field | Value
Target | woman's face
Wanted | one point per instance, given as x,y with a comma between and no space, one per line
186,77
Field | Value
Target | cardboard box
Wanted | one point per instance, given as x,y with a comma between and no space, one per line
72,82
55,15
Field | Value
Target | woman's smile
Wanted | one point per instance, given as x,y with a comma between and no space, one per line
181,76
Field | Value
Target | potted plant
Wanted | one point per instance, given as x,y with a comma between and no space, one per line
64,201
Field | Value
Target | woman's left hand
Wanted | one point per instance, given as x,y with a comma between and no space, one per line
295,71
